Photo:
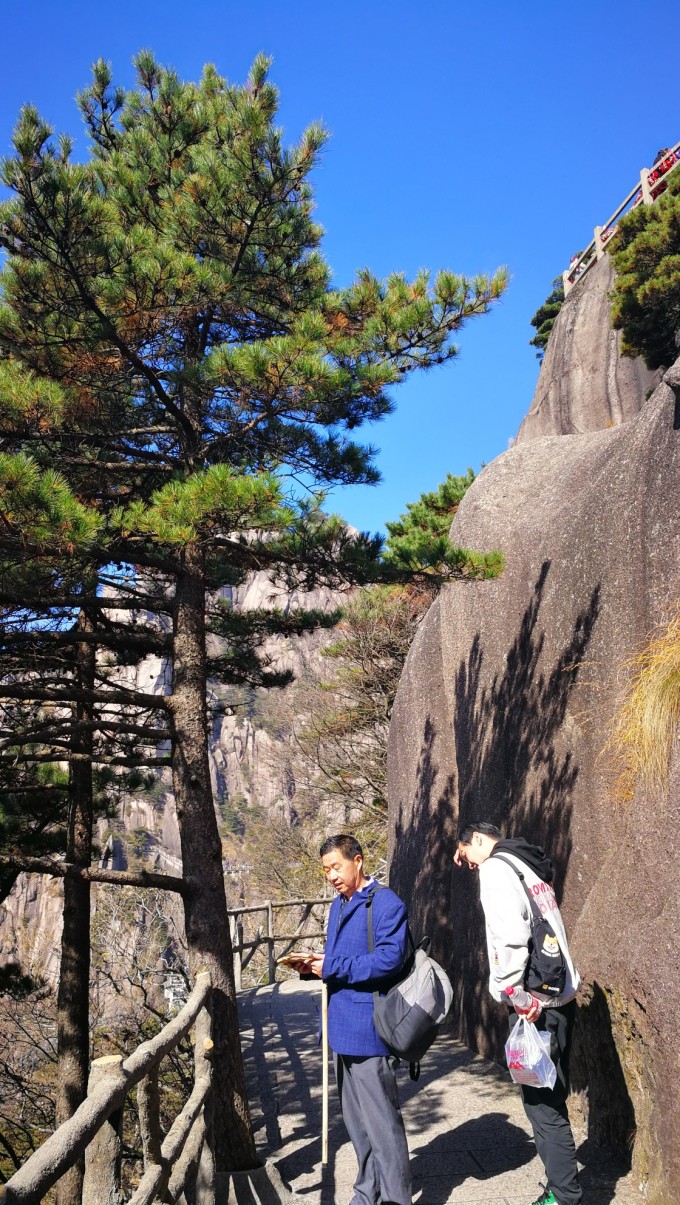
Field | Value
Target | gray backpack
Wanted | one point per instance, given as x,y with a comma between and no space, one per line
408,1017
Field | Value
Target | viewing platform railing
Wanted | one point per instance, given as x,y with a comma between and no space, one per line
652,183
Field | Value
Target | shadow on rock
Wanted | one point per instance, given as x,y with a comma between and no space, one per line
421,862
513,770
597,1075
602,1170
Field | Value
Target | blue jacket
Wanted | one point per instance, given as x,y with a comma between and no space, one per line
352,974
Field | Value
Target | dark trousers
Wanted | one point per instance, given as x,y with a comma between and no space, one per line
367,1088
546,1109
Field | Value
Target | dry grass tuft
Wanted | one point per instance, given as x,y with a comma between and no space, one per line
646,725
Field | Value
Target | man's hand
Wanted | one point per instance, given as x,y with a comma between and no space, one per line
315,966
530,1013
460,861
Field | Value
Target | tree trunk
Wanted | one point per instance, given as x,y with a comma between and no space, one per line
205,904
73,1011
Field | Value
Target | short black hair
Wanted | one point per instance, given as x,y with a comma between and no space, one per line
349,846
477,826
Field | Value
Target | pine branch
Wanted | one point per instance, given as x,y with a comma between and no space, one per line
124,878
76,695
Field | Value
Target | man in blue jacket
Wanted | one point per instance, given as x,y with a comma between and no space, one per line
364,1068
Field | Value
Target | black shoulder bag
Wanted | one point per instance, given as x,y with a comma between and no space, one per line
547,967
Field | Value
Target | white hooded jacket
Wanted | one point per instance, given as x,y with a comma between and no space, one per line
508,925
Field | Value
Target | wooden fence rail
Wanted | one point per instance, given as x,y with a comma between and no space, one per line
95,1125
267,937
651,184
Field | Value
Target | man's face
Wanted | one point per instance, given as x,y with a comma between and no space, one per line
343,874
475,851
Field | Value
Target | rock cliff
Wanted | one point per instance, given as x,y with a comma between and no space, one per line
585,383
505,708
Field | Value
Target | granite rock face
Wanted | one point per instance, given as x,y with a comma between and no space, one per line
585,383
503,713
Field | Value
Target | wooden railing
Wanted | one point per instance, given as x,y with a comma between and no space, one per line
266,935
95,1127
652,184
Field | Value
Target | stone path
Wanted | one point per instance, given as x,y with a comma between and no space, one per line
468,1135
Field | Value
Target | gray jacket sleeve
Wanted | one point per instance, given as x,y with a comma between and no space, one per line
508,930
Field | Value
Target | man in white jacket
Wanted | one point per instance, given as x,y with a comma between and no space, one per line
508,929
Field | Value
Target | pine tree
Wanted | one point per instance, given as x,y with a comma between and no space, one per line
173,288
340,724
544,318
49,714
419,540
646,291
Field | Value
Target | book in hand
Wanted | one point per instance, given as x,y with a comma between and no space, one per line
296,958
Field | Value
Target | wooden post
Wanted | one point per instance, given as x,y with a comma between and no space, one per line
599,249
101,1185
271,963
148,1108
204,1190
205,1176
647,198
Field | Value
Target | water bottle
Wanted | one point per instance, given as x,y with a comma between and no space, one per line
519,998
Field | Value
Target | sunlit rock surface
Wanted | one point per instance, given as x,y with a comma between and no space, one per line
585,384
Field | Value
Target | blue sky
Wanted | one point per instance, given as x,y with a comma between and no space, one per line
462,136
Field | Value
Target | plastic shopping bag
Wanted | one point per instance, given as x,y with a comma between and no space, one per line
527,1052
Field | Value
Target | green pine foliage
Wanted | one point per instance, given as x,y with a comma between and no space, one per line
646,291
190,374
33,803
39,511
544,318
419,540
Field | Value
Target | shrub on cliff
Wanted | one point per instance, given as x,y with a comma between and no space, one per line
646,724
340,724
545,316
646,292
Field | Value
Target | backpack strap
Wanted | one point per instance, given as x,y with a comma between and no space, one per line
369,923
535,910
413,1068
369,918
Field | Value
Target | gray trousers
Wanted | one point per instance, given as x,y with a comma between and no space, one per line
546,1109
367,1088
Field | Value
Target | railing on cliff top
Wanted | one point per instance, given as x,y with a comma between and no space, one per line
96,1126
652,183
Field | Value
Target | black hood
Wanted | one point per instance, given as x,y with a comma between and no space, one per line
533,855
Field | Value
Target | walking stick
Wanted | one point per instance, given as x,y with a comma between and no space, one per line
324,1074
